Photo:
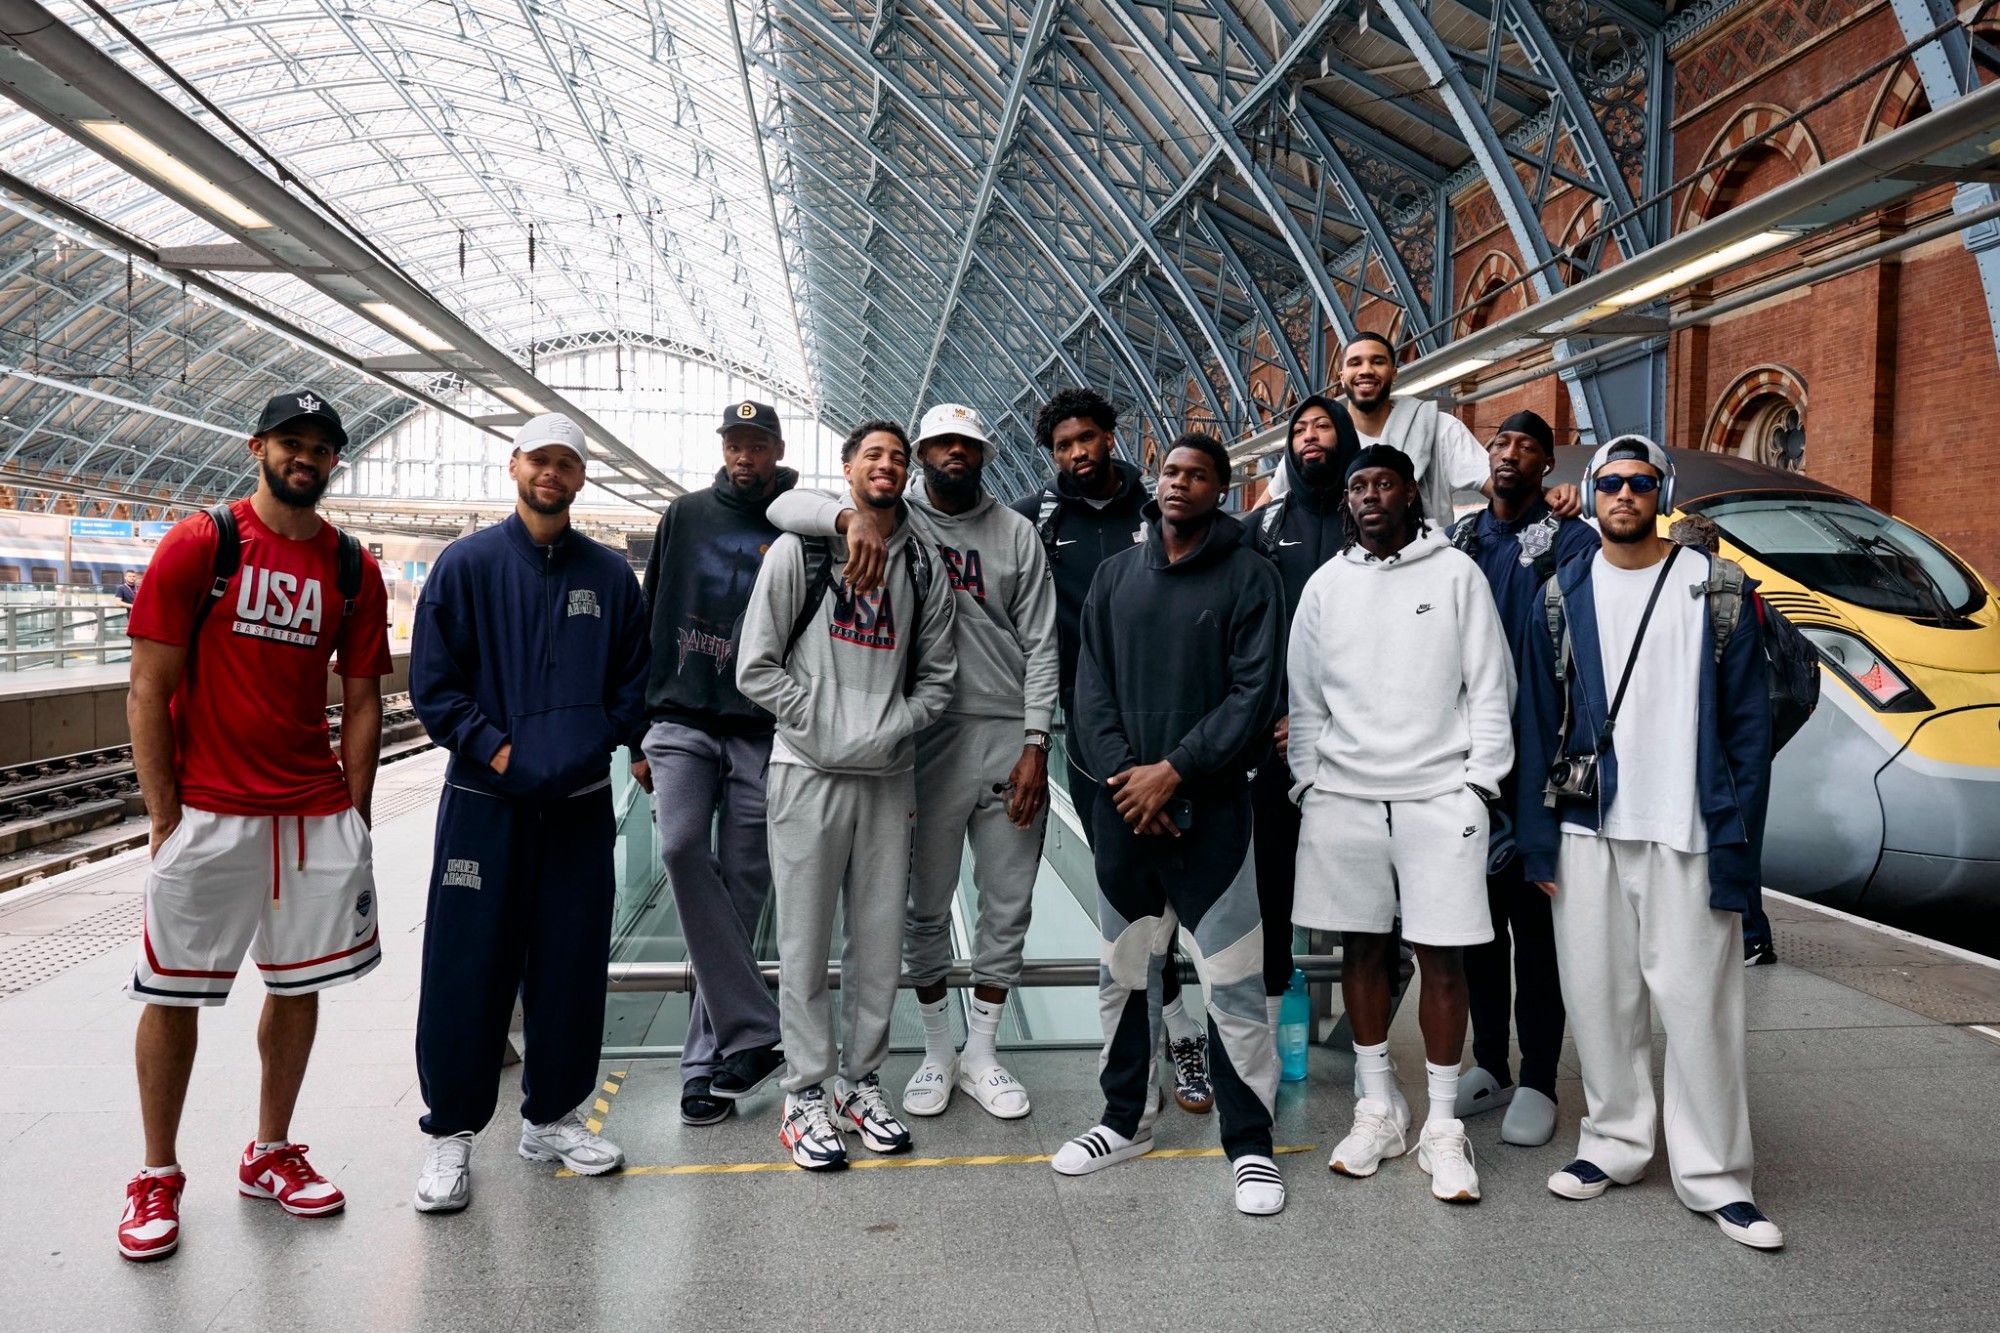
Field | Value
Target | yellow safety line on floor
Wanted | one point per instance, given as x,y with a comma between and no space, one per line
1006,1159
612,1082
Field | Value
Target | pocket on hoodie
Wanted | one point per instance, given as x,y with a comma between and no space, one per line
557,750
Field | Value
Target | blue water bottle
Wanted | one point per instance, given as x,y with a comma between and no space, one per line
1294,1020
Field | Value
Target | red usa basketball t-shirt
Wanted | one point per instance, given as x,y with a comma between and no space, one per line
250,734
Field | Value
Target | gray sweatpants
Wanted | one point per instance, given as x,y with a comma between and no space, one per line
702,781
838,840
1633,925
960,760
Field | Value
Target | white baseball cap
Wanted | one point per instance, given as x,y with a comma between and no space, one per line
954,419
552,428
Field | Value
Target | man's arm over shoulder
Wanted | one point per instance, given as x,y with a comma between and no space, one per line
808,513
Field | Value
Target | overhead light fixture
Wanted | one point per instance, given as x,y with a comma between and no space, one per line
1686,275
521,400
411,329
1450,374
139,151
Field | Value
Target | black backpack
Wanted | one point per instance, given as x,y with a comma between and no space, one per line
229,558
816,553
1791,662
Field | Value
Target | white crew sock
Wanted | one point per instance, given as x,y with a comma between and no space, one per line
173,1170
982,1027
1271,1003
267,1147
1378,1081
1180,1023
937,1030
1443,1080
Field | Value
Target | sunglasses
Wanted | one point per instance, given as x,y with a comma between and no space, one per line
1641,484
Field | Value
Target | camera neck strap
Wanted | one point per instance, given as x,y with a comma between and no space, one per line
1632,658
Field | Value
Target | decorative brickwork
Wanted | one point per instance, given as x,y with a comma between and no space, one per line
1754,123
1728,421
1774,31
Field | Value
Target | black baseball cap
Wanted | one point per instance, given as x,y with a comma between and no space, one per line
757,416
289,407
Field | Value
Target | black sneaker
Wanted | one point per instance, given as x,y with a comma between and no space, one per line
746,1071
699,1105
1757,955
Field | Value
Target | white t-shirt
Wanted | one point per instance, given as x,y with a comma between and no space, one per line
1458,451
1658,799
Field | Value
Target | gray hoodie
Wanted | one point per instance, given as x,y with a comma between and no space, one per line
1008,657
839,702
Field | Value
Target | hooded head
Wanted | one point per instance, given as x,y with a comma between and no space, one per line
1320,442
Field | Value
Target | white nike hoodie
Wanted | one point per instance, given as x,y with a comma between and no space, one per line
1402,686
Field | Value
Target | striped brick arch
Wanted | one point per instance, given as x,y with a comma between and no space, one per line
1730,419
1900,100
1490,282
1755,123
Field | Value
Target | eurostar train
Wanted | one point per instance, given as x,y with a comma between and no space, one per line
1888,801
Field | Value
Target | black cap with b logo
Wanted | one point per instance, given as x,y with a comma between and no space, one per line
289,407
757,416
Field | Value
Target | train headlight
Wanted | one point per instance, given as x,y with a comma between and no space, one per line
1868,670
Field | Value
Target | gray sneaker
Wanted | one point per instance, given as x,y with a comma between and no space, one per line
572,1143
445,1183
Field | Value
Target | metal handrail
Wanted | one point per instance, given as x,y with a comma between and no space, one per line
626,978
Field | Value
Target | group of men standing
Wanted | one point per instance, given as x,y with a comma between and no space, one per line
1330,714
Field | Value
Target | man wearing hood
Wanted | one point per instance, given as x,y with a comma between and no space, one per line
982,768
852,677
1088,514
1517,541
1401,695
1178,684
704,756
1299,531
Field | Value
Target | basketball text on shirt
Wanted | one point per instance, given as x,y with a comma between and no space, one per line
271,604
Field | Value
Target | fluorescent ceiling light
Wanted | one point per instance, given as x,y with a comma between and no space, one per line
411,329
1685,275
521,400
139,151
1450,374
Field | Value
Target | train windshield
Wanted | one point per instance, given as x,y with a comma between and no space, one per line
1849,551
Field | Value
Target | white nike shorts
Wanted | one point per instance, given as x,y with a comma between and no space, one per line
297,893
1359,860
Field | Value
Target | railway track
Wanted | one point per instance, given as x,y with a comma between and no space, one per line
67,811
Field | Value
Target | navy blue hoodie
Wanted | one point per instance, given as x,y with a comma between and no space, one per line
544,648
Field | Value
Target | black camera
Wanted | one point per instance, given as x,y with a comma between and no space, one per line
1572,777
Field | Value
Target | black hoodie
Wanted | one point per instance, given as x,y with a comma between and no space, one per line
1086,535
706,555
1182,661
1308,518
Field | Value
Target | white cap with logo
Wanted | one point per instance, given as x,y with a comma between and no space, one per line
552,429
954,419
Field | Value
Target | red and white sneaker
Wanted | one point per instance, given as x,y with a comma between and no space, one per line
151,1227
284,1174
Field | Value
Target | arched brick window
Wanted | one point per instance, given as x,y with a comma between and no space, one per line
1716,192
1762,417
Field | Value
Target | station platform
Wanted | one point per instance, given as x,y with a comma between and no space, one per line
1875,1091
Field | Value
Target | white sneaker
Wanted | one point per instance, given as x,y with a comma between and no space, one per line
1378,1135
929,1090
572,1143
1745,1223
860,1108
1479,1091
1260,1190
996,1091
1097,1149
445,1183
1444,1154
808,1134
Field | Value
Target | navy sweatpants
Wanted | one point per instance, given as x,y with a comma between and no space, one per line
1526,973
520,902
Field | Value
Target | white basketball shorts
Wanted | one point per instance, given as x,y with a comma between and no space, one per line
1363,863
297,893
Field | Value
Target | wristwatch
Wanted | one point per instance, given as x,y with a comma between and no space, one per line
1038,739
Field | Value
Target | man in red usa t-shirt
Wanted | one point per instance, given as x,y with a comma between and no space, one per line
260,834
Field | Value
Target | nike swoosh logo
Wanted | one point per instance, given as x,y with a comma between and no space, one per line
1282,542
1071,542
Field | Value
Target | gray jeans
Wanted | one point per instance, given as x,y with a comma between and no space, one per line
720,883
